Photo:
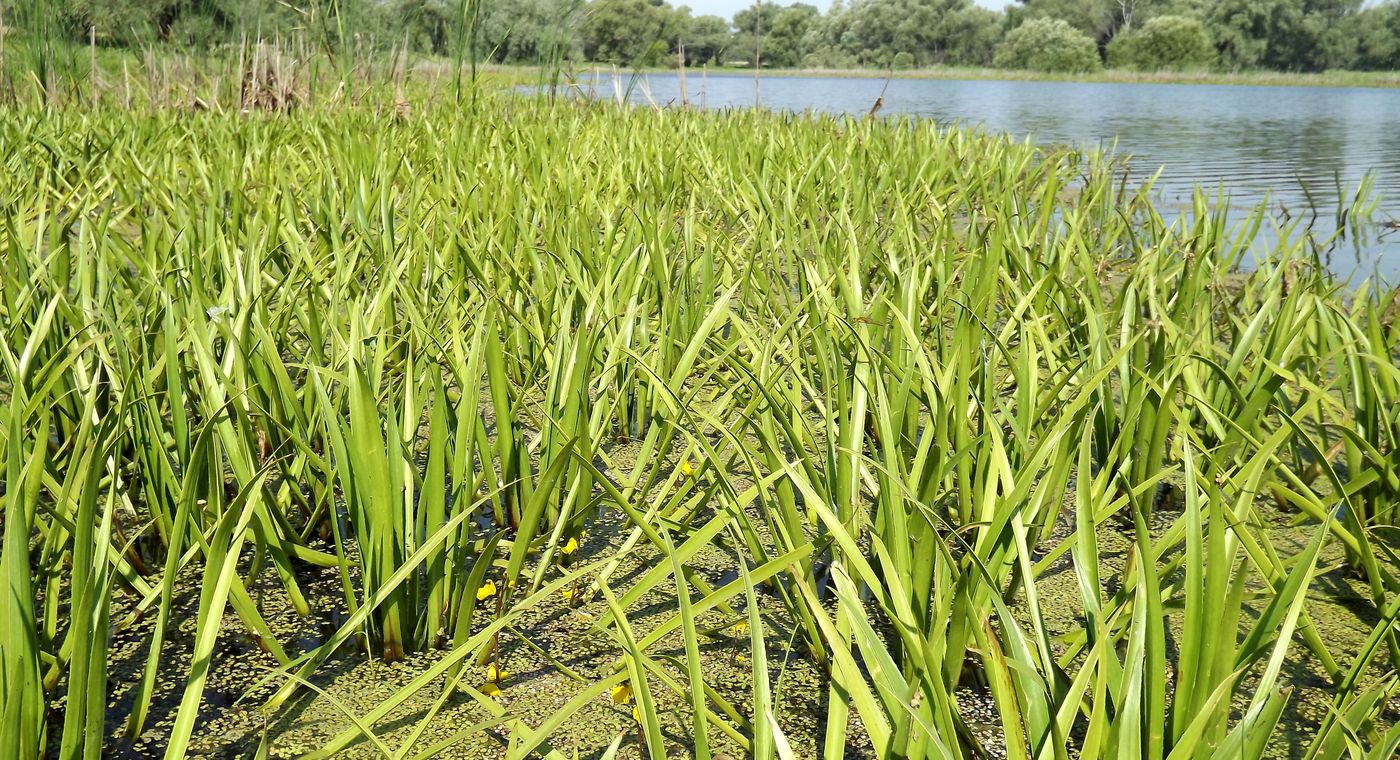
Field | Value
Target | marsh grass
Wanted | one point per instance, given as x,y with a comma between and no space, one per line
898,377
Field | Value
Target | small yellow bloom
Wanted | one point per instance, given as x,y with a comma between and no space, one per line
495,674
622,694
487,590
636,715
491,690
570,547
687,469
568,594
740,658
740,628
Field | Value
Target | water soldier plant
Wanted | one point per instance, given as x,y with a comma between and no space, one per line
530,394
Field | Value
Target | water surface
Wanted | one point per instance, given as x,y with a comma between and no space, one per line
1281,144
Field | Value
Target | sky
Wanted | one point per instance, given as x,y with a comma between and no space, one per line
727,8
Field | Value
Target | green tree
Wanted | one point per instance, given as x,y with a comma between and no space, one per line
930,32
1164,42
627,32
1293,35
1050,45
129,22
972,35
823,44
427,25
706,39
527,31
1377,35
788,34
755,17
880,30
1100,19
1287,35
782,33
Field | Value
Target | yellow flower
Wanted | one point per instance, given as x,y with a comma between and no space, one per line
570,547
495,674
687,469
636,715
622,694
740,658
568,594
487,590
491,690
740,628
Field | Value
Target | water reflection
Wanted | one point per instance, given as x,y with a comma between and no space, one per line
1283,144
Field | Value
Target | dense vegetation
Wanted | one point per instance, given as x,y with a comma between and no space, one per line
607,424
1047,44
1229,35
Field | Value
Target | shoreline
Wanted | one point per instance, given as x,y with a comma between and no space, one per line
1338,79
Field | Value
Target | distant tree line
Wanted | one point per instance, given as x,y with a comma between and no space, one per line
1048,35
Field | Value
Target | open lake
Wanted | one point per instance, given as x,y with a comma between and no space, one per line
1280,143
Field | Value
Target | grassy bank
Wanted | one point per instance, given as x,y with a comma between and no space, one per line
392,426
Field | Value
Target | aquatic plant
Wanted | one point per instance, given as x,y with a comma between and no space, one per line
962,415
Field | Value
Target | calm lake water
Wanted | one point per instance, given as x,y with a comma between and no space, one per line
1280,143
